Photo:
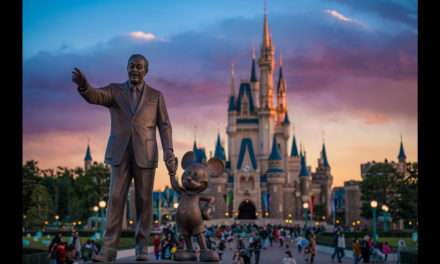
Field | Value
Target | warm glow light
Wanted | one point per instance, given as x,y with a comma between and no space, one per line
337,221
46,222
267,214
102,204
373,204
358,222
305,205
131,222
57,217
385,208
95,208
175,205
290,215
226,214
79,222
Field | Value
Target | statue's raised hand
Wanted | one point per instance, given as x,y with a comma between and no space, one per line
79,78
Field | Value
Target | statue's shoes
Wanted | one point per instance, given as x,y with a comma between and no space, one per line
185,255
207,255
108,255
141,257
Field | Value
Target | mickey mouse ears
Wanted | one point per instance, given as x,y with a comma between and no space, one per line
188,159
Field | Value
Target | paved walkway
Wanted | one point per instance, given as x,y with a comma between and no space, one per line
272,255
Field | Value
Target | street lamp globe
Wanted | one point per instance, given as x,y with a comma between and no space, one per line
306,205
57,217
175,205
385,208
373,204
358,222
95,208
102,204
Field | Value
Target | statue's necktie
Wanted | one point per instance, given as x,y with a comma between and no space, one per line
134,98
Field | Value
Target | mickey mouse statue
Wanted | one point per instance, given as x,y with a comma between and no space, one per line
194,208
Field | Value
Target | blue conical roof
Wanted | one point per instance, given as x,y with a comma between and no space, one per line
219,152
231,106
88,154
324,157
280,79
402,155
286,119
294,151
253,72
304,171
275,154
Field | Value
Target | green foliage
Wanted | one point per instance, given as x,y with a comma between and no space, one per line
386,185
39,205
69,193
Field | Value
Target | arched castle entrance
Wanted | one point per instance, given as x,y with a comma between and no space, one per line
247,210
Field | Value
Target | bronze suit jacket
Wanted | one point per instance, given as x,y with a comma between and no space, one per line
140,126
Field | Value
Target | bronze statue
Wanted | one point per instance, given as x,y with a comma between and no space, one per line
136,110
191,211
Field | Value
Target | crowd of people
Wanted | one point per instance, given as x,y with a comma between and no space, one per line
63,252
245,241
364,249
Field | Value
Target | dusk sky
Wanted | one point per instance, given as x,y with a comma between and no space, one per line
350,68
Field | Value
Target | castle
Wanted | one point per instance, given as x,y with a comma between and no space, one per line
265,178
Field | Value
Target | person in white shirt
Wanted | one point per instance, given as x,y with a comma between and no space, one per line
289,258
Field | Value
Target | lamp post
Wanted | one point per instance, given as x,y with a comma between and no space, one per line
386,217
306,207
175,205
373,208
102,204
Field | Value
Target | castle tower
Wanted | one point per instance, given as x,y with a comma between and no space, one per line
304,179
88,159
255,85
401,157
266,113
218,185
281,95
231,128
323,178
275,182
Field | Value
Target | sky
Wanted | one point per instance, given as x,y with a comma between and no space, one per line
350,68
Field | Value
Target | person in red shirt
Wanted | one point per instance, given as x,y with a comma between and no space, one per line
61,252
156,245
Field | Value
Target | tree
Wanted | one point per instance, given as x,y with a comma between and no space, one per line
31,178
405,202
381,184
40,203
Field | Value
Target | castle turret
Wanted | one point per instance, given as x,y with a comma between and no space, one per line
255,85
276,180
401,158
231,128
88,159
281,95
267,64
219,152
218,185
304,178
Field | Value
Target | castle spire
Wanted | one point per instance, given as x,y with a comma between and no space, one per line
324,156
275,154
219,150
267,42
88,156
304,171
402,155
294,151
231,105
253,70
